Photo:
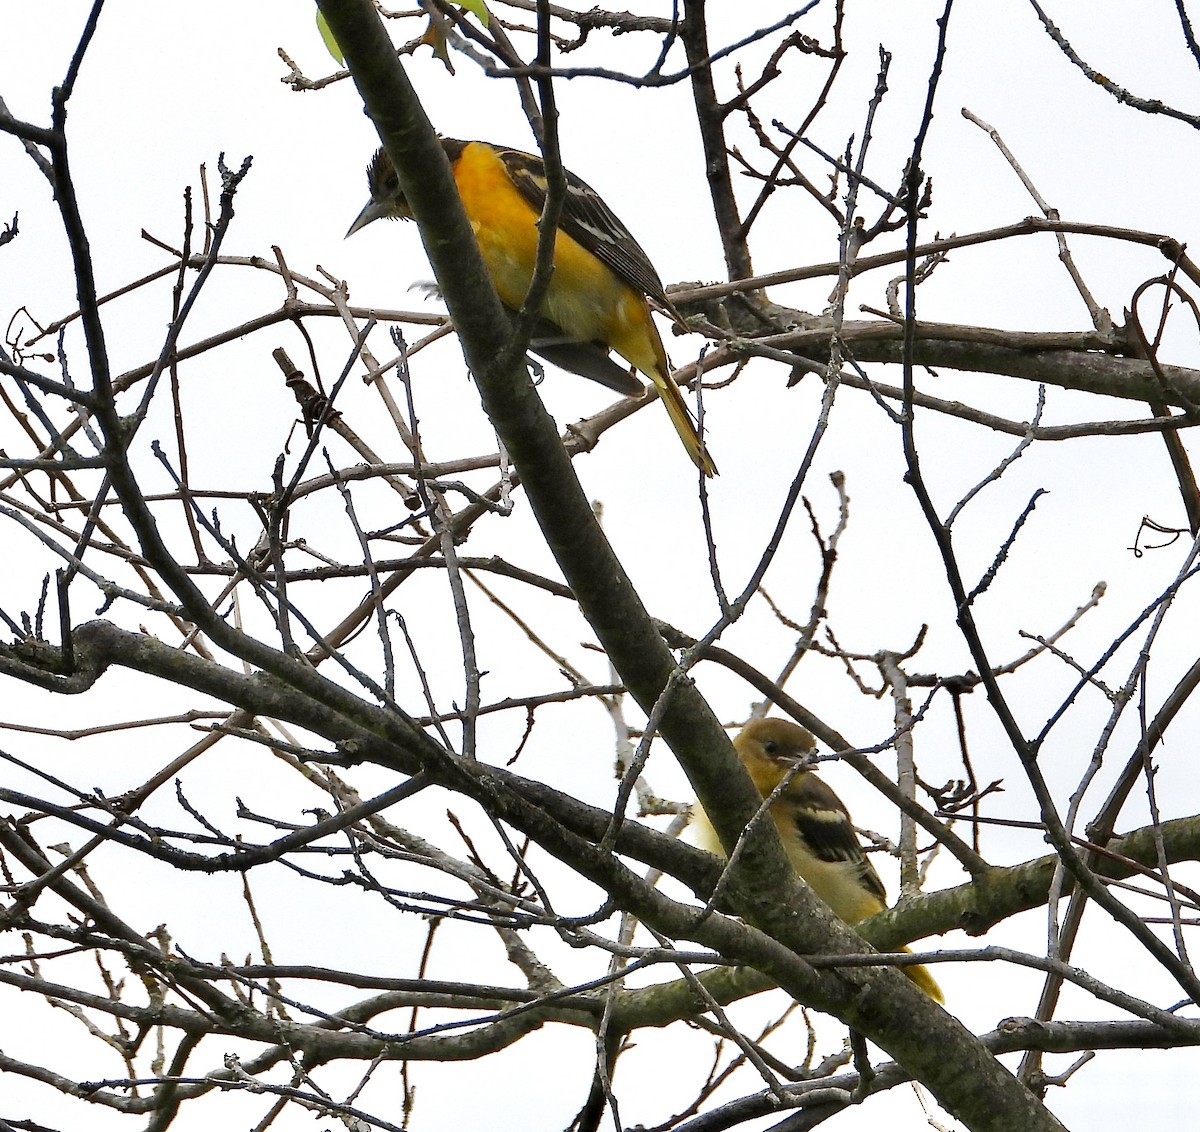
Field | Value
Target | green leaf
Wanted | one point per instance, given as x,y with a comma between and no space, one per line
330,42
478,9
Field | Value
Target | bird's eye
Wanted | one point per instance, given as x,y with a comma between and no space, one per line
771,747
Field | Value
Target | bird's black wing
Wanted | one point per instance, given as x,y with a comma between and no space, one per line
821,820
589,221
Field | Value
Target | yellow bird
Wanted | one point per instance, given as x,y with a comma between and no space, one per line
596,301
814,827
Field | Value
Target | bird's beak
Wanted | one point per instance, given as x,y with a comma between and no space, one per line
374,210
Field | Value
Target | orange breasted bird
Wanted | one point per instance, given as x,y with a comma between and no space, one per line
597,298
814,827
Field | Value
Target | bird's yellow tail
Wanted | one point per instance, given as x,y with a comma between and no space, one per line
677,410
921,976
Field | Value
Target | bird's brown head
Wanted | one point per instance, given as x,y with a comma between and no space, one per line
387,201
769,748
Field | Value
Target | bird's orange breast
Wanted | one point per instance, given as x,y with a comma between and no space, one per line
585,298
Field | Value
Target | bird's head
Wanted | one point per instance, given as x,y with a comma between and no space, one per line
770,748
387,201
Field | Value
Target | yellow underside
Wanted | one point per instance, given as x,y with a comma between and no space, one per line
835,882
585,299
829,881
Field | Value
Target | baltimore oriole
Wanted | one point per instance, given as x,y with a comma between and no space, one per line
814,827
596,301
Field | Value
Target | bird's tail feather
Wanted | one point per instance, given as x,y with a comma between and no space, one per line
921,976
677,410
